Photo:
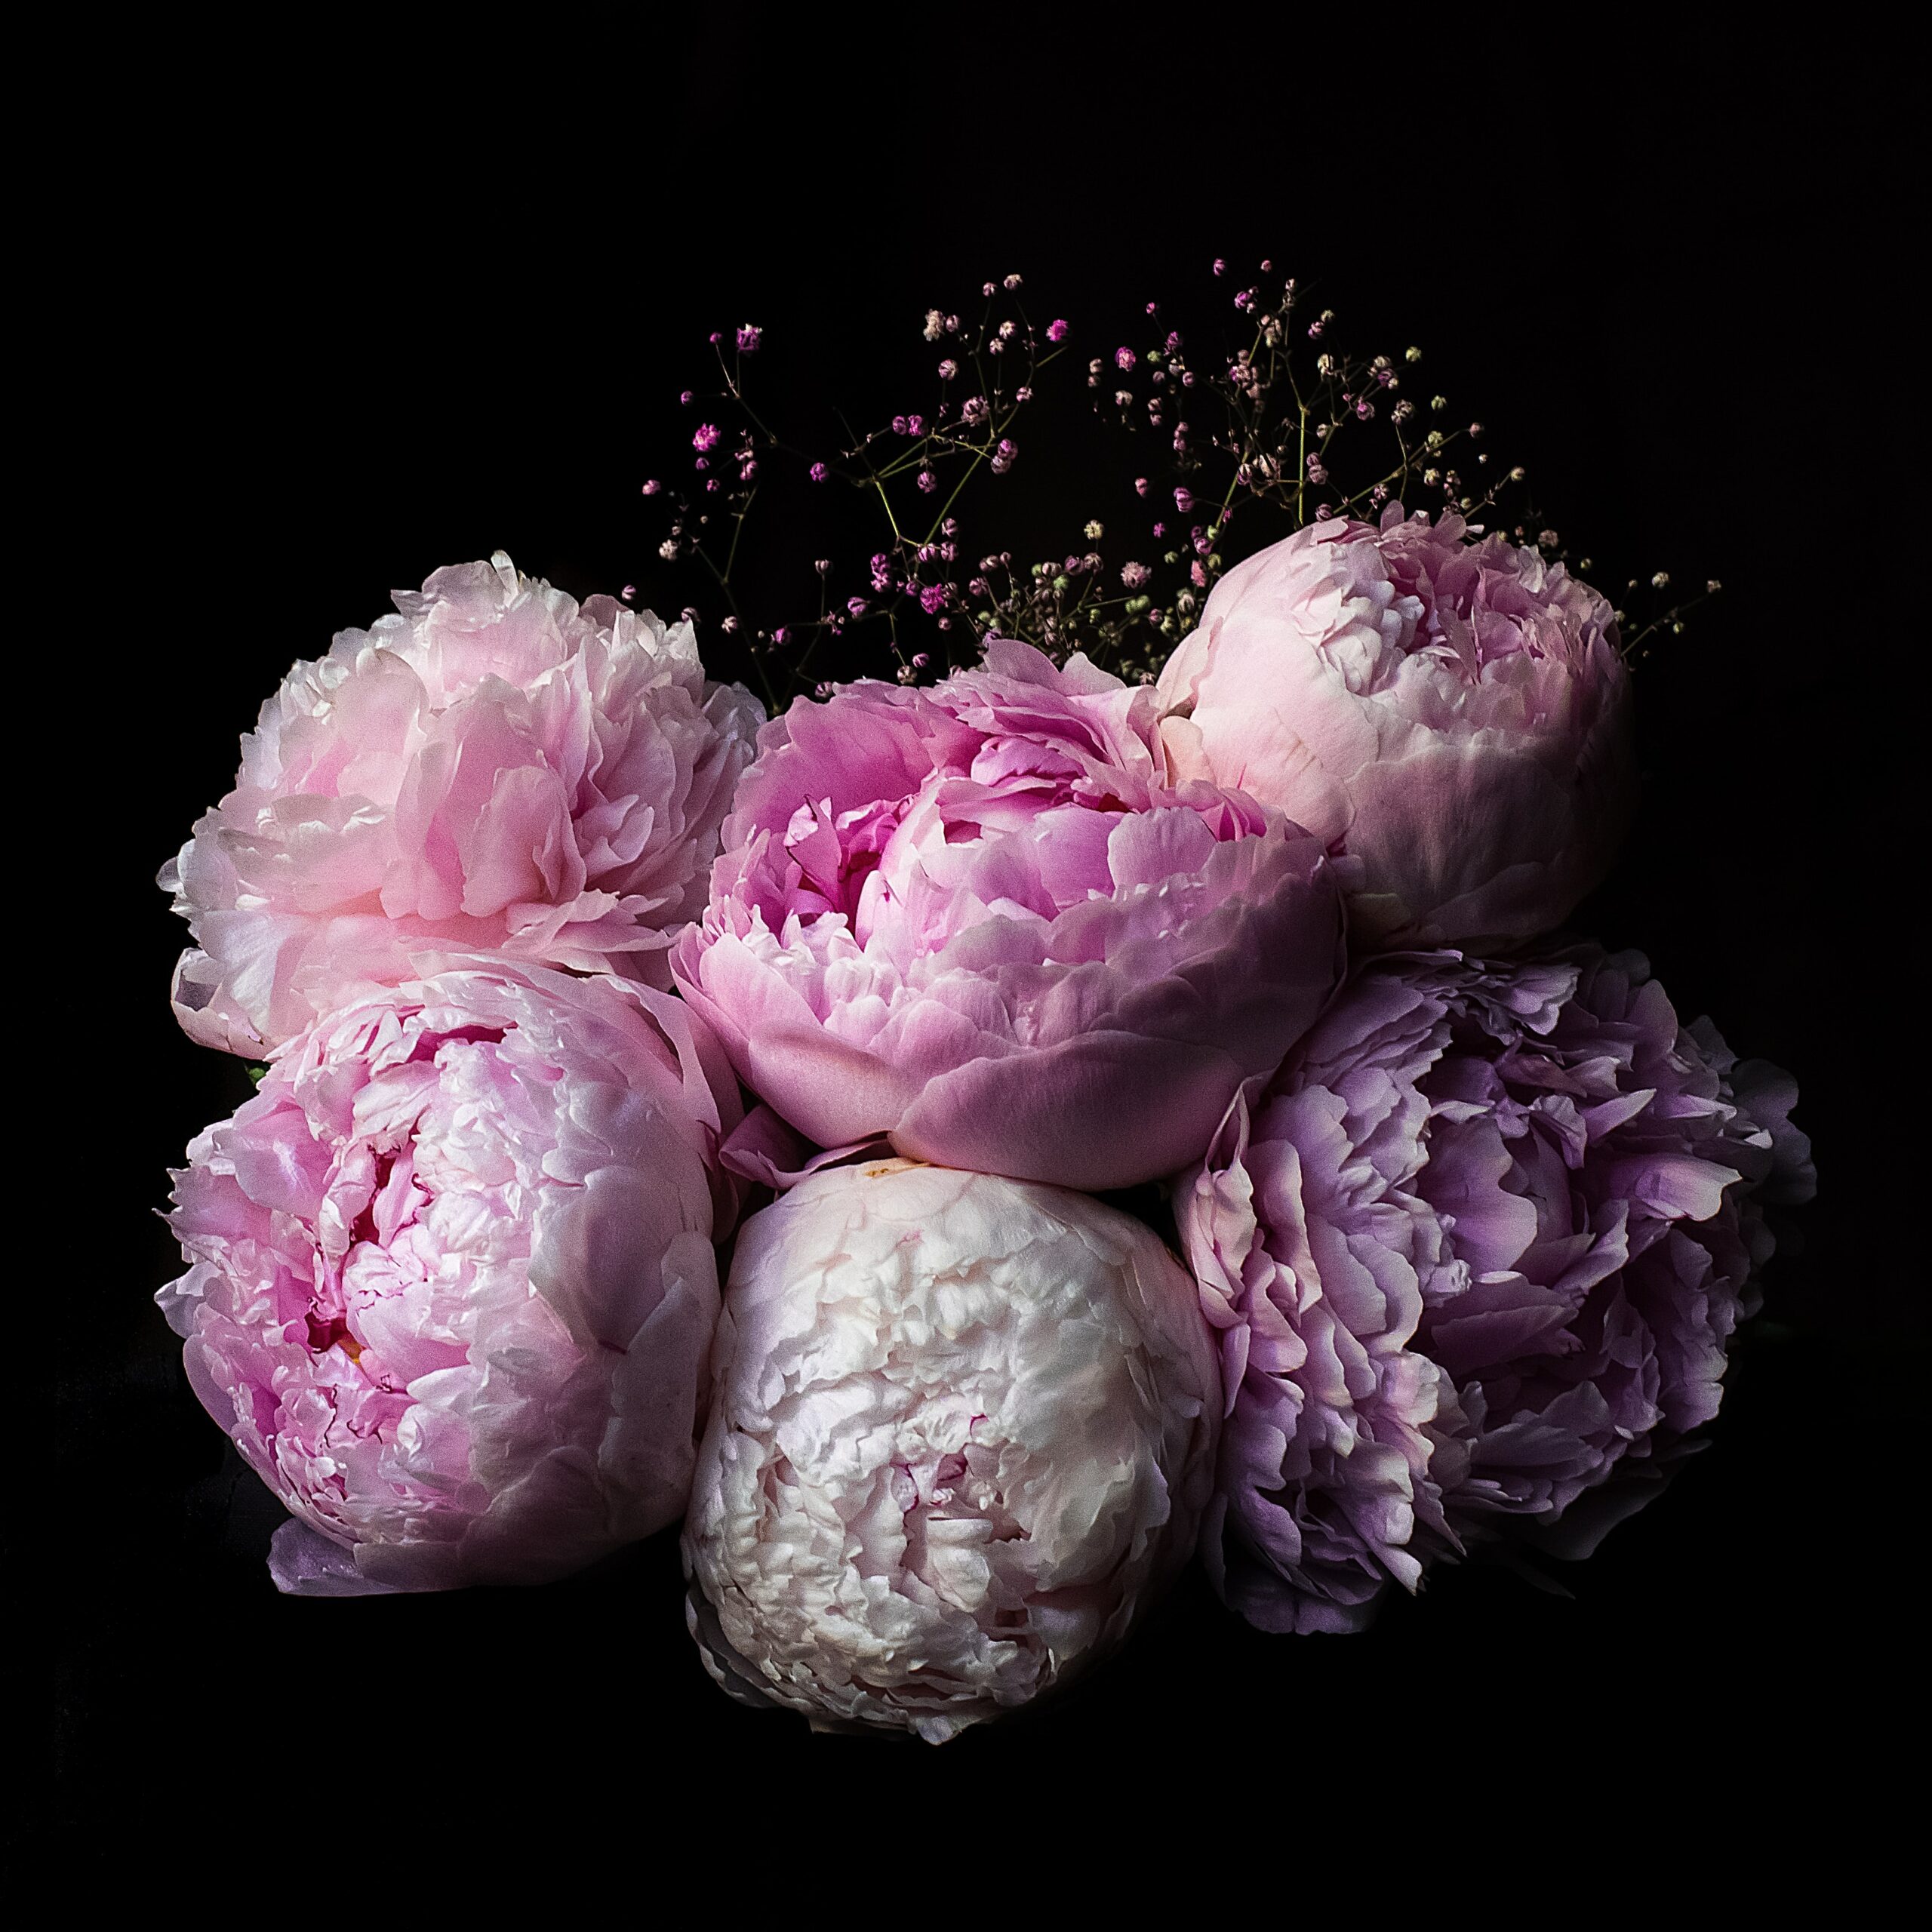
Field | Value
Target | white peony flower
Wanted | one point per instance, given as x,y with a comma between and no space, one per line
963,1429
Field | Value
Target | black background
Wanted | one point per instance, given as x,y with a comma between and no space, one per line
395,307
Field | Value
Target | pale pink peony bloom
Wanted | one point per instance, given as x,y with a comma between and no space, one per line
496,769
963,1432
976,919
1455,714
454,1288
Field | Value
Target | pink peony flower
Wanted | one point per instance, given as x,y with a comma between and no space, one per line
963,1433
974,918
1474,1258
495,770
453,1287
1455,714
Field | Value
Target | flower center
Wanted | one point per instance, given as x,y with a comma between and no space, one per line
327,1332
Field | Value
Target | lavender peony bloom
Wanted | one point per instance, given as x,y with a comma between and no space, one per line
963,1429
452,1286
974,918
1455,714
495,770
1479,1251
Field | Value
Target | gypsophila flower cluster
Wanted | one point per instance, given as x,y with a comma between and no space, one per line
1275,427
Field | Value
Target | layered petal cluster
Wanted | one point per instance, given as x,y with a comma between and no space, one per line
1454,714
494,769
1476,1256
452,1286
976,918
963,1429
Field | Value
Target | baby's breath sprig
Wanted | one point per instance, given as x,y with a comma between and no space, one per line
1280,428
708,514
1284,423
913,467
1669,622
1642,612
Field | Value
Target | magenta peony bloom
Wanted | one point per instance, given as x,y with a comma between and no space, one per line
1478,1252
452,1286
495,770
1455,714
975,919
963,1430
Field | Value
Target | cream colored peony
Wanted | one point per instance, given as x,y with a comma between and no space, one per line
963,1429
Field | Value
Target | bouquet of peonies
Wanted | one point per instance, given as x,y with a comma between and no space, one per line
976,1138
